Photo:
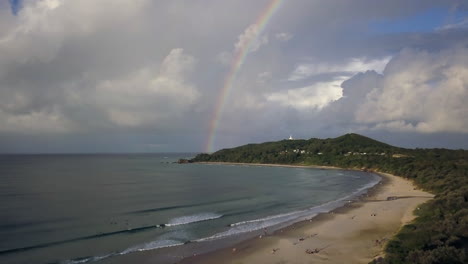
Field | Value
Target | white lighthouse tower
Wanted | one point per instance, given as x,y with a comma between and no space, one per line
290,137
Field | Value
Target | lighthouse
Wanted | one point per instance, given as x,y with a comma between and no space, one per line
290,137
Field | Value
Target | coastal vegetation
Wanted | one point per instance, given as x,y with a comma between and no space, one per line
439,234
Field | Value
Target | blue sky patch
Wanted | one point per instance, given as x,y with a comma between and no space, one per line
426,21
15,6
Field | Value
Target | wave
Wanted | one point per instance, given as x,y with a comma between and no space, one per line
174,222
139,248
153,245
234,228
85,259
287,218
183,220
55,243
258,224
264,219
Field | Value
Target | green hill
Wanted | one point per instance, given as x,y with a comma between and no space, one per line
312,151
440,232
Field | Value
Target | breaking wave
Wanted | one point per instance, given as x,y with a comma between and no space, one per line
183,220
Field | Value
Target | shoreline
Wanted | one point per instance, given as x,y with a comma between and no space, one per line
356,232
276,165
353,233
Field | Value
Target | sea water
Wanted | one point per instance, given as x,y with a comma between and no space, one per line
97,208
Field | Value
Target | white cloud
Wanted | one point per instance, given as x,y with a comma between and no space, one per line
63,68
251,39
147,96
42,26
283,36
352,66
458,25
315,96
320,94
422,92
51,4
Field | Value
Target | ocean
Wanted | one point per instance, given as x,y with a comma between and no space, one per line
100,208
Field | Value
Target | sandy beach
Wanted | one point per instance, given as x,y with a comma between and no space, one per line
355,233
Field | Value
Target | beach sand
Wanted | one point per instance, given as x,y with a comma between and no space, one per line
355,233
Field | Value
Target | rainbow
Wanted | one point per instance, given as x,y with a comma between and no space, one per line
239,59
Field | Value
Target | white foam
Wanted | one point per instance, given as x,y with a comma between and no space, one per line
164,243
236,228
183,220
265,219
152,245
257,224
86,260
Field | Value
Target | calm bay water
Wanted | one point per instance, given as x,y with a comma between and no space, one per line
92,208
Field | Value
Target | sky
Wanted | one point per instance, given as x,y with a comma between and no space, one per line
196,76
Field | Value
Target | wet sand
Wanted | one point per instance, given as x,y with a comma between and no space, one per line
355,233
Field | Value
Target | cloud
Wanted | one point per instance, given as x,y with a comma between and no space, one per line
283,36
351,66
146,96
58,73
321,92
459,25
112,71
224,57
37,122
43,27
341,113
421,91
264,77
251,39
315,96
